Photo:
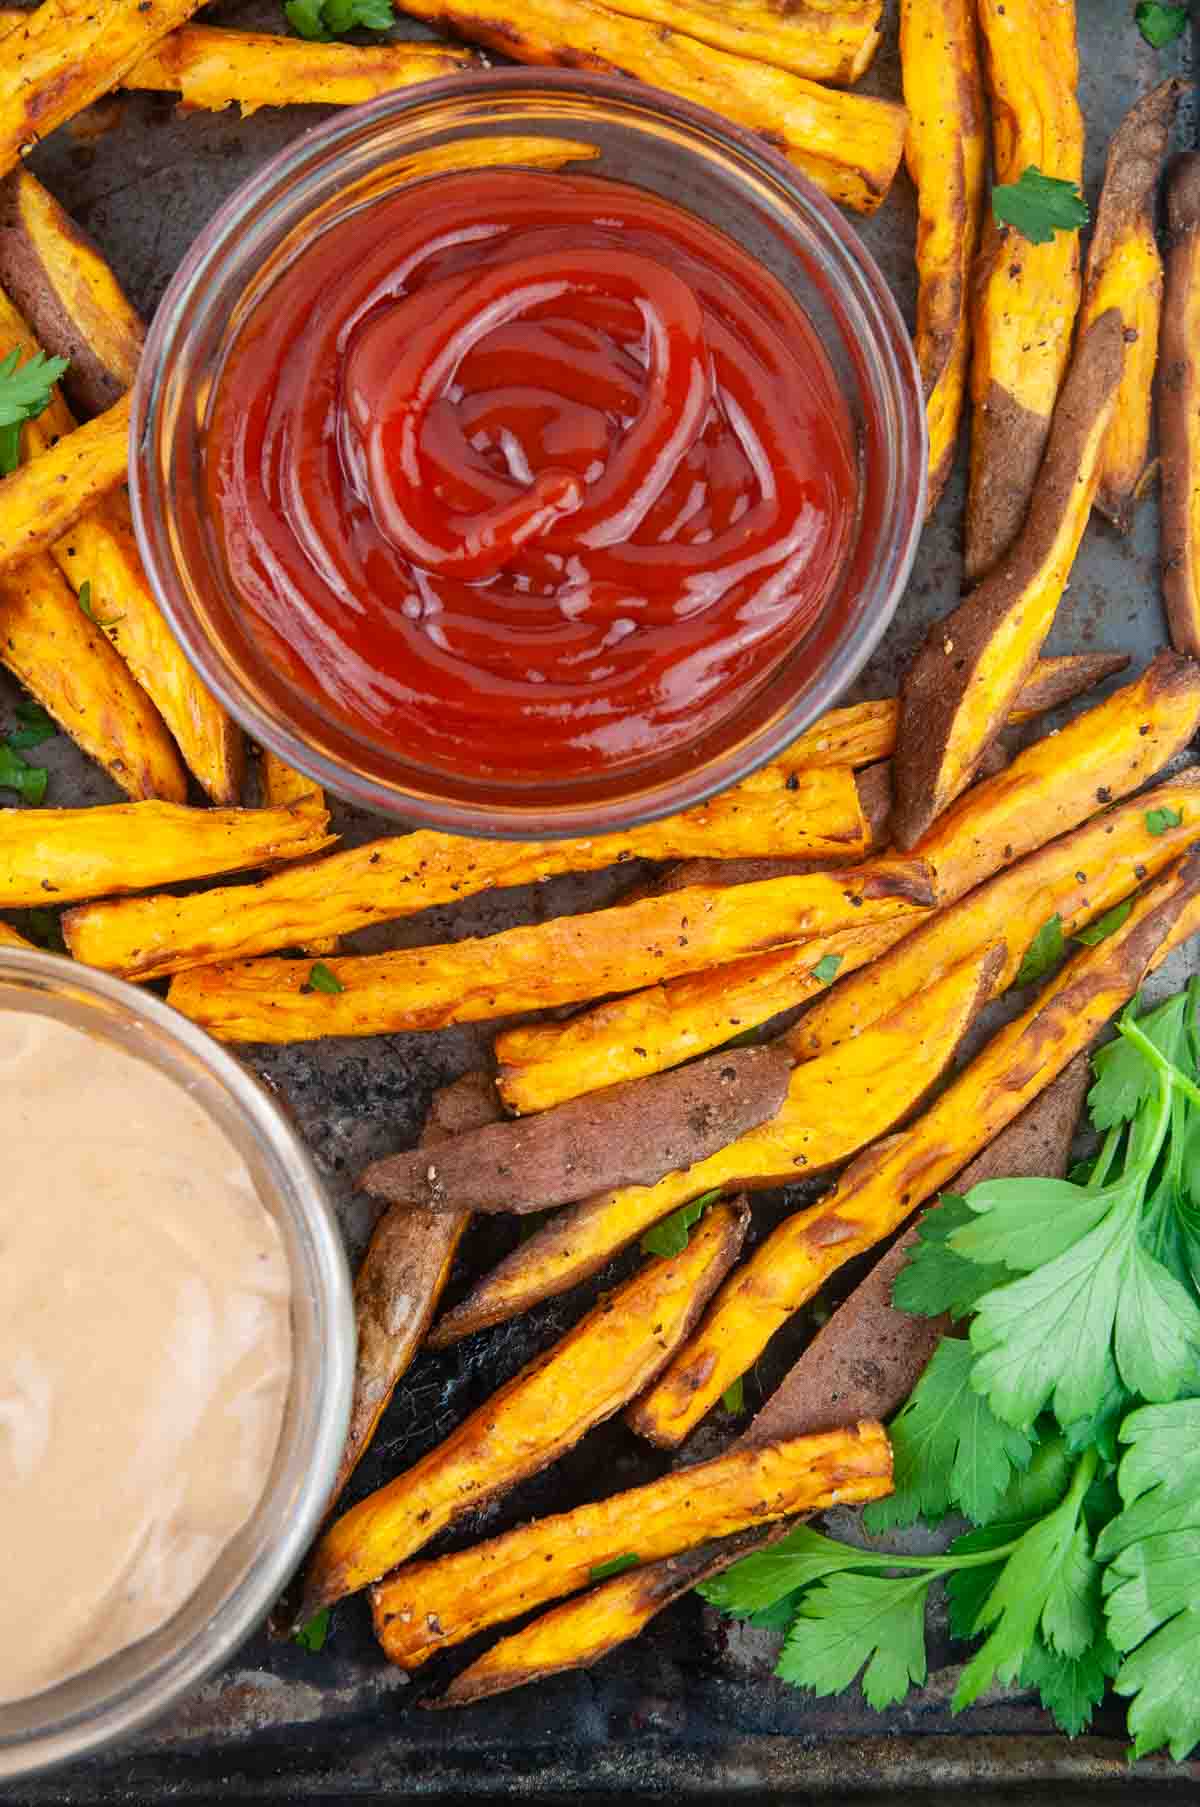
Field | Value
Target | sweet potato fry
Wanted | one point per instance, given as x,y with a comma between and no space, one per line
606,1360
62,285
58,855
1124,270
554,962
212,68
1054,682
883,1187
1025,296
427,1606
1179,407
811,813
41,500
10,938
886,1073
826,43
959,690
630,1135
280,785
946,153
848,144
66,54
1048,789
862,1364
68,665
403,1273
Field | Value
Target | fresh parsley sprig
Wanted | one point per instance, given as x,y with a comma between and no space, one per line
25,390
1038,206
322,20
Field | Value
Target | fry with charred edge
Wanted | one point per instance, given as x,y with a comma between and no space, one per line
946,153
65,55
556,962
862,1364
281,784
1076,878
403,1273
64,661
834,44
100,550
885,1185
427,1606
848,144
606,1360
1048,789
62,285
50,856
1179,407
629,1136
813,813
212,68
1124,270
1024,296
10,938
886,1073
39,501
957,694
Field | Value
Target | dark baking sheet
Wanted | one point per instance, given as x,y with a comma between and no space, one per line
690,1710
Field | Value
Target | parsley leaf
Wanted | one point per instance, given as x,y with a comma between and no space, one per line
321,979
16,774
312,1636
1071,1687
616,1565
1160,24
949,1449
24,392
1043,953
670,1236
759,1582
1159,820
1105,925
84,599
826,969
936,1278
325,19
850,1620
34,726
1038,206
734,1397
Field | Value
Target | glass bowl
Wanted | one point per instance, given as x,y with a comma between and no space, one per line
508,118
109,1701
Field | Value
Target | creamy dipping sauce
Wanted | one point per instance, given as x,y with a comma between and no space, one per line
145,1349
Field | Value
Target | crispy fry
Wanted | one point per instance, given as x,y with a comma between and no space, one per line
281,784
427,1606
1048,789
885,1185
946,153
64,288
403,1274
811,813
1179,407
1124,270
10,938
848,144
959,690
554,962
826,43
862,1364
58,855
886,1073
630,1135
606,1360
39,501
66,54
212,68
1025,296
67,664
1054,682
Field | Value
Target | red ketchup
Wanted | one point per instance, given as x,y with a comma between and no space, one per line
528,475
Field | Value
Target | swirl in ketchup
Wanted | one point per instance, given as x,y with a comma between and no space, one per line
529,474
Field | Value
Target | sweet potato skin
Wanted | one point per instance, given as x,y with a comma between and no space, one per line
66,662
848,144
556,962
425,1607
39,501
607,1359
886,1073
1124,270
57,855
403,1273
58,278
963,683
883,1186
1025,297
946,153
629,1136
1178,397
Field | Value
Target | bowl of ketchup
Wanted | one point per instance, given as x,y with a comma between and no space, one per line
528,453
